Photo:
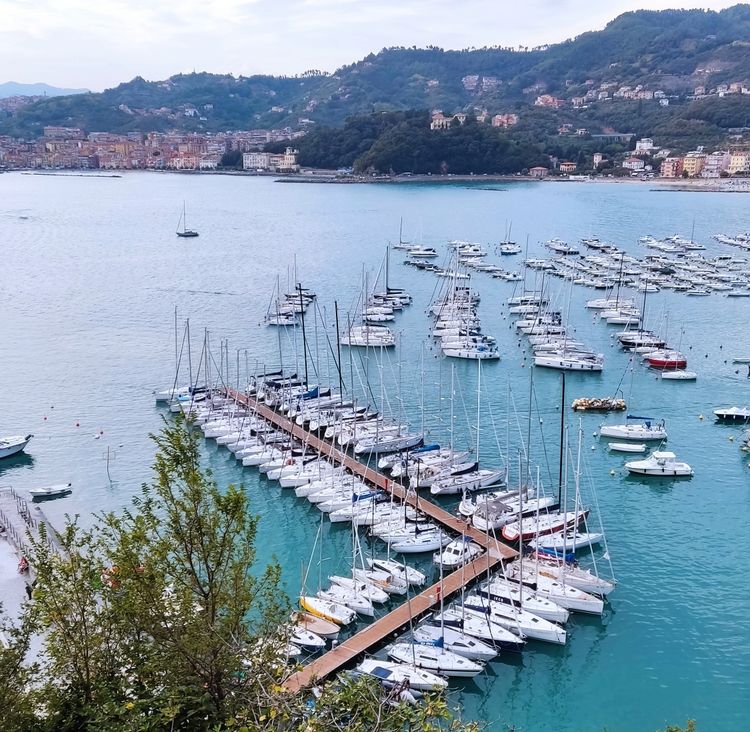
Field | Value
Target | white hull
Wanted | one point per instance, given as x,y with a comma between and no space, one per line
13,445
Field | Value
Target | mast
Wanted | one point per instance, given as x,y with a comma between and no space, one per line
190,359
562,432
176,348
304,337
338,348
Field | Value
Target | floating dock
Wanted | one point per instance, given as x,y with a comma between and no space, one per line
383,629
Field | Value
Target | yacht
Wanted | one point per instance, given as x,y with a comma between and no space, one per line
660,463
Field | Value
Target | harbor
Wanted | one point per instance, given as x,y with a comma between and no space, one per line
100,380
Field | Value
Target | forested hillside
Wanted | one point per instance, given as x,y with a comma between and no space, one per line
671,52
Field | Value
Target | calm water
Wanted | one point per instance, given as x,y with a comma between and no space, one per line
92,271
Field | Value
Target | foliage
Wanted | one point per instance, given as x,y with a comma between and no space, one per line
156,619
401,142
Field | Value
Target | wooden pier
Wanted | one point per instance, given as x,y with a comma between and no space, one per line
21,521
383,629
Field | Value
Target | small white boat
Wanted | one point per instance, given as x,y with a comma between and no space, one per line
660,464
52,491
435,659
626,447
306,639
398,673
317,625
679,375
13,444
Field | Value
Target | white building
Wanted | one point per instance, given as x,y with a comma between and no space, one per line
644,146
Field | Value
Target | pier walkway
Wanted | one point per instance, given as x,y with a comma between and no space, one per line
21,521
383,629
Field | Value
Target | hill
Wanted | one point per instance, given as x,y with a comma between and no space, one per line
14,89
670,52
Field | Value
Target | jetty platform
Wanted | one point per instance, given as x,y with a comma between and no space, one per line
385,628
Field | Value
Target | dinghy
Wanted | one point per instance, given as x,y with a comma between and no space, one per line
52,491
626,447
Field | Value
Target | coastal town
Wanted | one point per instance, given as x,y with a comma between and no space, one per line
71,148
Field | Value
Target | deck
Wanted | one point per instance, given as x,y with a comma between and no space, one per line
383,629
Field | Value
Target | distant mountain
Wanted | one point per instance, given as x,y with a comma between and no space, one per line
14,89
671,52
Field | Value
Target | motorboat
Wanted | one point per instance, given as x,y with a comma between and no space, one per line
400,674
733,414
455,641
637,428
457,553
52,491
660,464
13,444
434,658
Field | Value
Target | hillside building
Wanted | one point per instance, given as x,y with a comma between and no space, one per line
671,168
693,164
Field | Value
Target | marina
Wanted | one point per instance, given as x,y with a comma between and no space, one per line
109,370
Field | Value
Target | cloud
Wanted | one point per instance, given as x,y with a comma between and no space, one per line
79,43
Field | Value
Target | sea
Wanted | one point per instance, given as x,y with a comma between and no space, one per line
92,274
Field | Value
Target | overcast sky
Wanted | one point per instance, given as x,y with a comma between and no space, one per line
80,43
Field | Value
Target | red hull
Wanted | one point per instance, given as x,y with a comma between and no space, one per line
660,363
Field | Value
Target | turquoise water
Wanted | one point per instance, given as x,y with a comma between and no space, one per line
92,271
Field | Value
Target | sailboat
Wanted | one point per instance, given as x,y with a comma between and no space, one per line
184,232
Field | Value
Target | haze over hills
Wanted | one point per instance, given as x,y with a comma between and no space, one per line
14,89
670,52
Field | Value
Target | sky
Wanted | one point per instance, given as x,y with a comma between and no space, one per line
96,45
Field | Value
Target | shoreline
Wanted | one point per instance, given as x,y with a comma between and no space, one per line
330,177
